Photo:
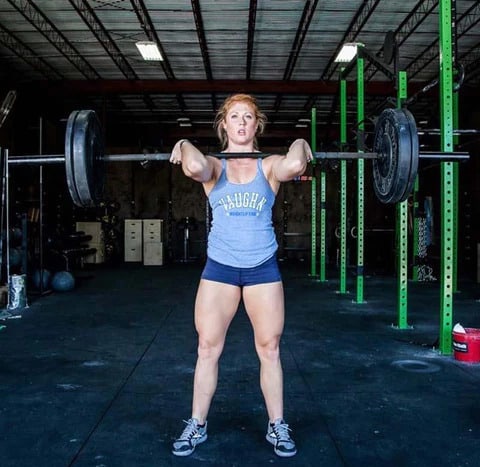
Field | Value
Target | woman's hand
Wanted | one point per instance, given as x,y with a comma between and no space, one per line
307,150
176,156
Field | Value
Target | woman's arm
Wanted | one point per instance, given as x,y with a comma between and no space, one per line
294,163
194,164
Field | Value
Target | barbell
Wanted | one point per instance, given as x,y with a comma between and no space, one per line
395,156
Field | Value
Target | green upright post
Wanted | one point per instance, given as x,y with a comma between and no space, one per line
343,188
446,168
313,268
323,225
402,229
455,169
323,208
360,179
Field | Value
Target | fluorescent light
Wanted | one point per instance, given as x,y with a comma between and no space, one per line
184,121
347,53
149,50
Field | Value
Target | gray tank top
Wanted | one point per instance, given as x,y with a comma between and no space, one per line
242,233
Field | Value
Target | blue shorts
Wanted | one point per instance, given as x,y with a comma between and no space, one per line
261,274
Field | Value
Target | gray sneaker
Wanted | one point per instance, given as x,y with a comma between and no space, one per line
193,434
278,435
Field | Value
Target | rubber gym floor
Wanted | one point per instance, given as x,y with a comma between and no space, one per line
102,376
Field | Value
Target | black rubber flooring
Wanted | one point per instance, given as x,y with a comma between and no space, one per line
102,376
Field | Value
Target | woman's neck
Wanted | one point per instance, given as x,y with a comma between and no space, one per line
231,147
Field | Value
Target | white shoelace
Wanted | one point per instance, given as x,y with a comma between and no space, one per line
281,432
190,431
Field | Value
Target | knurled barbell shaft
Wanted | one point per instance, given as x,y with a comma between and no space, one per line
60,158
394,157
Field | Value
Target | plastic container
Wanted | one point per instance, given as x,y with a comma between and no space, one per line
466,345
17,292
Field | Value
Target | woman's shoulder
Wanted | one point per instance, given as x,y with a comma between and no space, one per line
269,161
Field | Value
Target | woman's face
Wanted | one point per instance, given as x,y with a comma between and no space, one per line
240,123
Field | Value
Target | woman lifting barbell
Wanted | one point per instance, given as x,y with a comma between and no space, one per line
241,261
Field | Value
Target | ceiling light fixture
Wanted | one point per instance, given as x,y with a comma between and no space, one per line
347,52
149,50
184,122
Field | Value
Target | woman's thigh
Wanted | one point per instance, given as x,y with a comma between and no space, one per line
265,307
215,306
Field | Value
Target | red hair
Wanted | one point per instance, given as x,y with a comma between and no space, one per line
227,105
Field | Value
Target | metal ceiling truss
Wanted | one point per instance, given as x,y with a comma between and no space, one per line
202,40
471,62
359,20
466,22
302,95
409,25
37,19
252,16
302,29
8,39
146,23
90,18
86,12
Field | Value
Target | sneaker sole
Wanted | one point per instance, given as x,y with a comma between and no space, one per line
187,453
273,441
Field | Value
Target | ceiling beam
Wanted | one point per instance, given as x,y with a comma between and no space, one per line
297,87
146,24
252,16
408,26
32,13
23,51
302,29
202,42
359,20
89,17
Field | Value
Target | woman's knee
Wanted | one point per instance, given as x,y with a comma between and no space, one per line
268,349
208,350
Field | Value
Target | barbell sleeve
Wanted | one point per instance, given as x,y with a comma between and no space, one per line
37,159
444,156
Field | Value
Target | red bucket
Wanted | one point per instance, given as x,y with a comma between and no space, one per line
466,345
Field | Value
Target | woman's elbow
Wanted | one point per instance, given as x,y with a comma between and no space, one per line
297,167
193,168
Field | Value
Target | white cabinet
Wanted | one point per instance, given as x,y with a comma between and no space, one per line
152,242
133,240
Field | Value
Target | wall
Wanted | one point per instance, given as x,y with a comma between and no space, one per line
160,190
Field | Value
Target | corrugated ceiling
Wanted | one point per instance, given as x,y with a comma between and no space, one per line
283,51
